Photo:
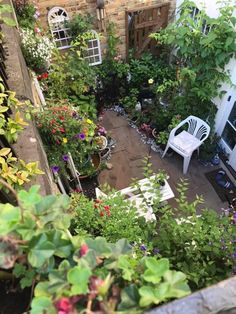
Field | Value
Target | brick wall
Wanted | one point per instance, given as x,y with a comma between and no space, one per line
114,10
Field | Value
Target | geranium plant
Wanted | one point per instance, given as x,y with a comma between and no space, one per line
72,274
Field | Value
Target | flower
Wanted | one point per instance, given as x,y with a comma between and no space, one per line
156,250
89,121
65,157
81,136
83,250
150,81
64,140
143,247
62,130
55,169
234,255
101,214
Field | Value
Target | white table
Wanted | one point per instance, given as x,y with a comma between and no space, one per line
143,196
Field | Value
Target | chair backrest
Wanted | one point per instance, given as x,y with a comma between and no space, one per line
197,127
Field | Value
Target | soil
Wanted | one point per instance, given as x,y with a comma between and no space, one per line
88,186
13,300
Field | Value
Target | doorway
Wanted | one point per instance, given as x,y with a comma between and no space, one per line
228,137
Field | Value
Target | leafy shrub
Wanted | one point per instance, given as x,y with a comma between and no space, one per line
79,24
78,274
26,13
201,245
113,218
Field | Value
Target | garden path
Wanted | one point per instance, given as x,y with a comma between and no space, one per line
127,163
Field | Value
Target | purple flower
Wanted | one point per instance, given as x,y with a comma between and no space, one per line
234,255
156,250
65,157
55,169
81,136
143,247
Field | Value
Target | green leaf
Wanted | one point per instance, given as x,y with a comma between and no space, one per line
63,246
42,305
40,250
148,296
129,298
41,289
178,286
100,246
9,217
30,198
79,278
155,269
125,265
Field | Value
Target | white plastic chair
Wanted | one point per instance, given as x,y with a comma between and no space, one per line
186,142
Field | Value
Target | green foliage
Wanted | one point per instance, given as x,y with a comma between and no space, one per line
149,67
112,218
162,137
201,57
79,24
201,246
129,102
25,12
70,75
74,272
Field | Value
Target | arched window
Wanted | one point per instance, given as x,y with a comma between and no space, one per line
56,20
93,53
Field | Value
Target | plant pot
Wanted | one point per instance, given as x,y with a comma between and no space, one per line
105,153
96,160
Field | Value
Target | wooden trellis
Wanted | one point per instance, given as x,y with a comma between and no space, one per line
141,23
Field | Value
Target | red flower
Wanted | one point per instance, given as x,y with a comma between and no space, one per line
54,131
63,304
61,118
58,142
101,214
108,213
106,207
53,121
95,205
62,130
83,249
44,75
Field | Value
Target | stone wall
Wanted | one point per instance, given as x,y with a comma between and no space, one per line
28,146
114,12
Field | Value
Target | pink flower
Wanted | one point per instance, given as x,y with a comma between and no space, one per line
83,250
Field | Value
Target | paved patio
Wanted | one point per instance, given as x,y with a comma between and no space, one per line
127,157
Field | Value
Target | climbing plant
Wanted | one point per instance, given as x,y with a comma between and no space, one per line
202,46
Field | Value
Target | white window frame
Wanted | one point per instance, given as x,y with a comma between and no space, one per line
205,28
53,19
95,42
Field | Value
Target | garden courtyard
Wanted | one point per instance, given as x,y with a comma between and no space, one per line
95,115
127,160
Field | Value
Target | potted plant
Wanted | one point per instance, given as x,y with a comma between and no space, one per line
161,177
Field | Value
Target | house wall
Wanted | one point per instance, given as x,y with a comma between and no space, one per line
114,12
